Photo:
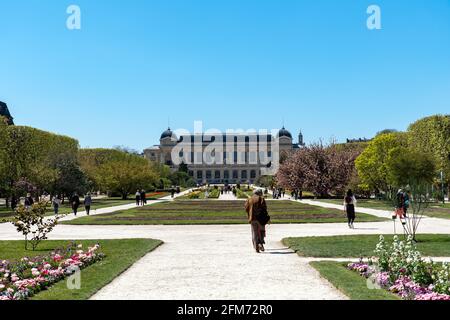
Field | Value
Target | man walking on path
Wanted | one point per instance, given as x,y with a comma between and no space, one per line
143,198
87,203
258,217
56,201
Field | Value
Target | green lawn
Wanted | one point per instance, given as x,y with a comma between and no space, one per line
363,203
217,212
6,214
436,210
349,282
362,245
120,255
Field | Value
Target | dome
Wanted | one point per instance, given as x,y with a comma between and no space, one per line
284,133
166,134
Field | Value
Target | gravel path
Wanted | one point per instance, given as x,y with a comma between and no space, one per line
228,196
218,262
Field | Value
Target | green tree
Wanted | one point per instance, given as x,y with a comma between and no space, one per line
92,159
407,167
371,165
32,155
413,171
432,135
126,173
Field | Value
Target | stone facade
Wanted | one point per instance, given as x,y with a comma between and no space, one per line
236,167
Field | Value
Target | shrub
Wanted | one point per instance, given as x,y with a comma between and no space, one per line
31,221
400,269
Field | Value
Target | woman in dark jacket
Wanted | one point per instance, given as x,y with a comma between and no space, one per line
349,207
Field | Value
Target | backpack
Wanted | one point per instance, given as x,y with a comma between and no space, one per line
262,216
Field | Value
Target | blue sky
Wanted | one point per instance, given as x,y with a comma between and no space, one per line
230,63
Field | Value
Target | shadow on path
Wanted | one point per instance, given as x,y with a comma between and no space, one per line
279,251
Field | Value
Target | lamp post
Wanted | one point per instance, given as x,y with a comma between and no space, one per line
442,186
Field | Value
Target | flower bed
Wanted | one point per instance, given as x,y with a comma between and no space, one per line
23,279
154,195
400,269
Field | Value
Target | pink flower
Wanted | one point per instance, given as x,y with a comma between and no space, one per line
35,272
57,258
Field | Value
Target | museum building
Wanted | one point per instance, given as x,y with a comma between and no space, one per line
236,167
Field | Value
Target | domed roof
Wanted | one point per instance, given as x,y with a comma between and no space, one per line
166,134
284,133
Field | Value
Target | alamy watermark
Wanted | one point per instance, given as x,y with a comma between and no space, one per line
73,21
232,147
374,19
74,280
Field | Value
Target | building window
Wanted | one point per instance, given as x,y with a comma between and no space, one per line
208,174
235,156
191,173
217,174
244,174
235,174
226,174
253,174
199,174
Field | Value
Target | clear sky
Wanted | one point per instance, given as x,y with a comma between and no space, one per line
230,63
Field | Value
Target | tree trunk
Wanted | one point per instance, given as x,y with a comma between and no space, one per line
124,196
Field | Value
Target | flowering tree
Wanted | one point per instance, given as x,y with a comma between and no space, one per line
318,168
31,221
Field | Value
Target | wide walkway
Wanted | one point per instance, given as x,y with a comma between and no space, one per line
218,262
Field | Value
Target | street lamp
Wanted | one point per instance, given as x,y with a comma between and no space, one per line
442,186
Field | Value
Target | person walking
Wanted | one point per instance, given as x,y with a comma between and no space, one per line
88,203
143,198
402,206
28,201
75,202
56,202
138,197
349,207
258,218
172,192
